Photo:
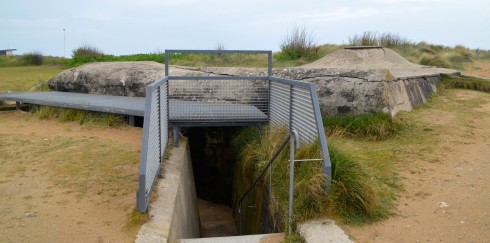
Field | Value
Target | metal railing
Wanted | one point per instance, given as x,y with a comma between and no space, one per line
207,99
155,140
293,104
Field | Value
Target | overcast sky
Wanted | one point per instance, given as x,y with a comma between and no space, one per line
144,26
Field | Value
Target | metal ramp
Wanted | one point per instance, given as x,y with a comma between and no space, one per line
181,113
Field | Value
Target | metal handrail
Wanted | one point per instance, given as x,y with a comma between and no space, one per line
261,175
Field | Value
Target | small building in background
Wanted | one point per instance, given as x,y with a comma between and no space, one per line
7,52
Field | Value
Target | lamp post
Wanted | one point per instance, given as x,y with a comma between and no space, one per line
64,43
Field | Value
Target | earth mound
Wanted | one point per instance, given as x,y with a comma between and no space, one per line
375,58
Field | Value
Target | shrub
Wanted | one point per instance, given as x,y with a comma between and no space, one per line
88,53
87,50
33,58
298,44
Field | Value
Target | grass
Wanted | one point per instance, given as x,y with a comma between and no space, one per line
464,82
24,78
84,165
359,193
378,126
83,117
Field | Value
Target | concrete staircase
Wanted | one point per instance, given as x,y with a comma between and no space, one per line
269,238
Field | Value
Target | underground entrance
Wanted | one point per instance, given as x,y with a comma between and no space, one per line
213,162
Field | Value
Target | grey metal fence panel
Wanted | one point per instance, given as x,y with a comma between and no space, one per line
279,104
303,116
295,104
155,139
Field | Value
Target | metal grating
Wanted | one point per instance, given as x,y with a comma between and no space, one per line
226,100
155,140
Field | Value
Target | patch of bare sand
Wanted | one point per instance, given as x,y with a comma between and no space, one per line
444,199
36,203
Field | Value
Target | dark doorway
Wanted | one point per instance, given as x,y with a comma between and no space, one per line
213,162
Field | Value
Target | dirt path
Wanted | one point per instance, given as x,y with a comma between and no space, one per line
446,195
60,182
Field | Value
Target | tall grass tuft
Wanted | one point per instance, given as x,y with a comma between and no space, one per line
369,38
356,194
298,43
33,58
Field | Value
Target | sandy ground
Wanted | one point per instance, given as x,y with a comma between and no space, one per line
39,206
478,69
446,195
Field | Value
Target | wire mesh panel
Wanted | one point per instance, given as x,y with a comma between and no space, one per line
218,99
155,140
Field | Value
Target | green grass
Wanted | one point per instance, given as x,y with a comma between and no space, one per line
83,117
464,82
25,78
378,126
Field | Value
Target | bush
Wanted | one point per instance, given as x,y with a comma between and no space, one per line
298,44
88,53
87,50
33,58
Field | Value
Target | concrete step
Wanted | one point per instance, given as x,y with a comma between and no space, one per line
269,238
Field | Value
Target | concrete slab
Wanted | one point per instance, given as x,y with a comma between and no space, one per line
322,231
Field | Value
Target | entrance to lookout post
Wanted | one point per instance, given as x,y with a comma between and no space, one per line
213,162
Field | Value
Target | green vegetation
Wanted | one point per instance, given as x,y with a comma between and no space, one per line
378,126
298,44
360,192
85,118
26,78
33,58
388,40
464,82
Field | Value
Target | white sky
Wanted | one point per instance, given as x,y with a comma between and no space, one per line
144,26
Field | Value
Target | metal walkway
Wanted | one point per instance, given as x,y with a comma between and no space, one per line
203,113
